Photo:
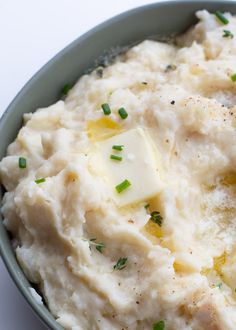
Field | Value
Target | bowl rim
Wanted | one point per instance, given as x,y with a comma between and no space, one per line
17,274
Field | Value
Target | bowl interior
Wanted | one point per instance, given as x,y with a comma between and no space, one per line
162,20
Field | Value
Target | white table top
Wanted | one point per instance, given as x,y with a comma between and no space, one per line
32,32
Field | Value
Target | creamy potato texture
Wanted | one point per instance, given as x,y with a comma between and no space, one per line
71,230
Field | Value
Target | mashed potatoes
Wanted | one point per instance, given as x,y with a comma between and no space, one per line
160,253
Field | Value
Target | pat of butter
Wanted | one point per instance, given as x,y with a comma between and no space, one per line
139,165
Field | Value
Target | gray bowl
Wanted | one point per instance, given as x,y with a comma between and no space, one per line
163,19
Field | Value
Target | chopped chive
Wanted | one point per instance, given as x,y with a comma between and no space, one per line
144,83
121,264
221,18
156,218
122,112
219,285
106,109
146,206
159,325
22,162
115,157
123,186
228,34
40,180
118,147
65,89
233,77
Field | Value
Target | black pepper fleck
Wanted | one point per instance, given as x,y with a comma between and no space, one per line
172,102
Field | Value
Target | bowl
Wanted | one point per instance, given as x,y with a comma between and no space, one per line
161,19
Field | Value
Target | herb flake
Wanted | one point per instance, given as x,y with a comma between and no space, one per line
98,246
121,264
159,325
22,162
123,186
115,157
156,218
40,180
221,17
65,89
228,34
118,147
233,77
106,109
123,113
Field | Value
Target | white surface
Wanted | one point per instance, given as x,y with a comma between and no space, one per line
32,32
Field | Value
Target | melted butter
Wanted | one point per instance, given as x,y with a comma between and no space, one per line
229,179
219,262
153,229
181,268
102,128
71,177
206,271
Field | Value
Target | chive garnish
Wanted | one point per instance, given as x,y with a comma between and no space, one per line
233,77
146,206
118,147
121,264
106,109
123,186
122,112
156,218
98,246
22,162
66,89
159,325
115,157
219,285
40,180
221,18
228,34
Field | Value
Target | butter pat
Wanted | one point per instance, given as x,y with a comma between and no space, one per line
139,165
